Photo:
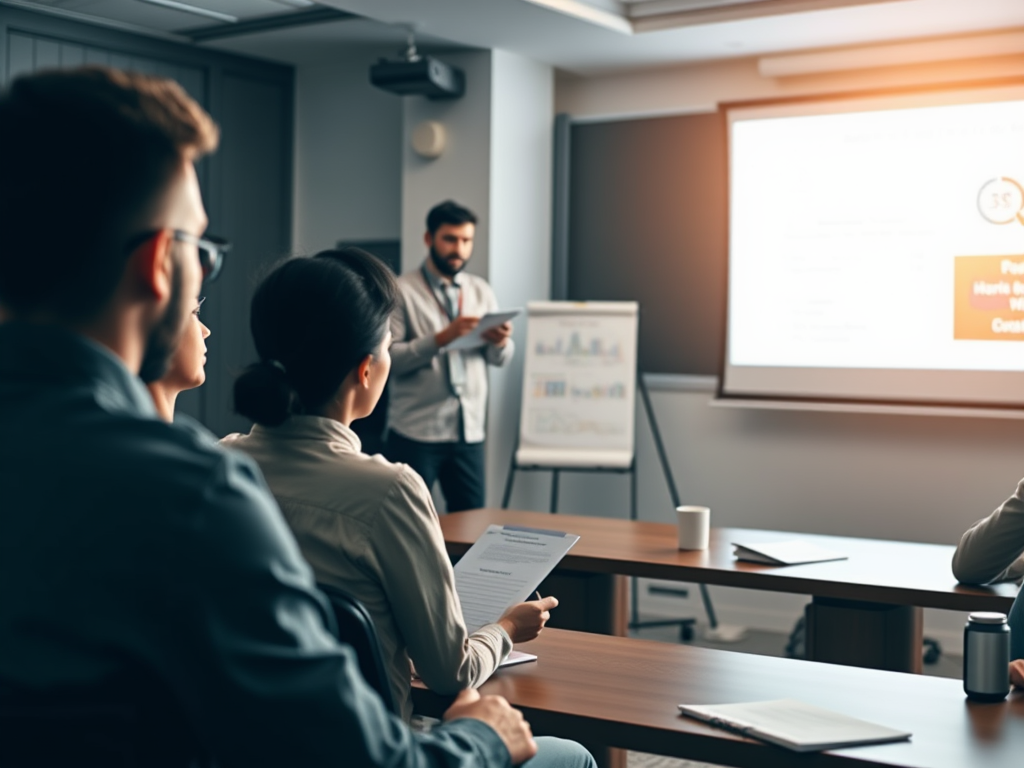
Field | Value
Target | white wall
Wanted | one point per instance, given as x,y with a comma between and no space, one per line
681,89
348,164
908,477
522,117
498,163
462,173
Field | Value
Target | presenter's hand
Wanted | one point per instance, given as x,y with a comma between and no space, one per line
524,621
508,723
1017,673
498,336
458,328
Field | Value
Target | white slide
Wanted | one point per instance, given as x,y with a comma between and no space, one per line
877,249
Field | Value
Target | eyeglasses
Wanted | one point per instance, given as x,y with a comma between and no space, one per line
212,250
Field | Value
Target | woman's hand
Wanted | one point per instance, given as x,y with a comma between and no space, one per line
524,621
1017,673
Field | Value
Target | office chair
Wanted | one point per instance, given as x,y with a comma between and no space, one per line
356,628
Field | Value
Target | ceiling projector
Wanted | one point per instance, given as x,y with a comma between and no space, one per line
415,75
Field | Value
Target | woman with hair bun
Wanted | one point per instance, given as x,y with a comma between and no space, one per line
367,526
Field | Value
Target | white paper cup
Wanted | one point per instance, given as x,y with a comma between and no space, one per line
694,527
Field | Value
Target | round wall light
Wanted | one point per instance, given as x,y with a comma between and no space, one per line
428,139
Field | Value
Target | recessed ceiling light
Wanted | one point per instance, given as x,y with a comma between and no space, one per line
587,12
638,16
194,9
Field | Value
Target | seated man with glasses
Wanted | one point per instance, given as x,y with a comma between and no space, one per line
140,561
211,250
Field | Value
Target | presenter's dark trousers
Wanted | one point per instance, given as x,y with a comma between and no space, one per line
458,466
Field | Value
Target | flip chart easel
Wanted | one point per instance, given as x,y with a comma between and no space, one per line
580,378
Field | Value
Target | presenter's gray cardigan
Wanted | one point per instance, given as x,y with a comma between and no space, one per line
369,528
422,405
132,549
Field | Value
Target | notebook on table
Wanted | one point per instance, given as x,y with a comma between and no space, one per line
793,724
517,657
784,553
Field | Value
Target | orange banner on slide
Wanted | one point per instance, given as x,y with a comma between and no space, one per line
989,298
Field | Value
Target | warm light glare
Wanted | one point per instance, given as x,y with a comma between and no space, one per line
881,239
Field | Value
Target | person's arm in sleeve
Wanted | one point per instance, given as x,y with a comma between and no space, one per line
493,354
420,584
244,639
991,549
408,354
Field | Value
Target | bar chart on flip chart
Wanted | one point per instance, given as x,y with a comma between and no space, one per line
579,387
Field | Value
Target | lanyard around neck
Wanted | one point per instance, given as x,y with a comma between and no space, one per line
433,292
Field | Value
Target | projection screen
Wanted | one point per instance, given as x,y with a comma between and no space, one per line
876,249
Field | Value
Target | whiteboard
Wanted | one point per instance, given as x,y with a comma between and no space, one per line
579,384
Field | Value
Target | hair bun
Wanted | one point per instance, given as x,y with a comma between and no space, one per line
325,314
263,394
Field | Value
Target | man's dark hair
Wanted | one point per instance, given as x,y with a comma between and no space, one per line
313,321
448,212
85,156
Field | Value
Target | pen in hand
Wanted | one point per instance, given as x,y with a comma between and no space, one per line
536,595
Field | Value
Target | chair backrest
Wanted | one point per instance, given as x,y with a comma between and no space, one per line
356,628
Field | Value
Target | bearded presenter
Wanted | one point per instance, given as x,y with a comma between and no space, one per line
438,395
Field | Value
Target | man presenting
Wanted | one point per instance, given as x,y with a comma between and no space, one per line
140,562
438,397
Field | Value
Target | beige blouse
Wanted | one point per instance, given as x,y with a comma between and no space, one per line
369,527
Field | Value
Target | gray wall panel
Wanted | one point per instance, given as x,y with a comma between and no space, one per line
120,61
97,56
71,55
648,223
193,81
47,54
254,117
20,55
246,185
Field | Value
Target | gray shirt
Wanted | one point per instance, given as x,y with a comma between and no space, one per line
991,549
132,549
423,405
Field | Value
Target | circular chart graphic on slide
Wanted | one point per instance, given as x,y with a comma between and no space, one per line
1001,200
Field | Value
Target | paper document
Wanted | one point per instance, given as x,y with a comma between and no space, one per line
504,567
793,724
513,658
517,657
475,338
785,553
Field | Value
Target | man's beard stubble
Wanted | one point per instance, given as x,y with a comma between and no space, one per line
443,265
166,334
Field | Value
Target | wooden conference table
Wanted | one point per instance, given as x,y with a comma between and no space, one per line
866,610
623,692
